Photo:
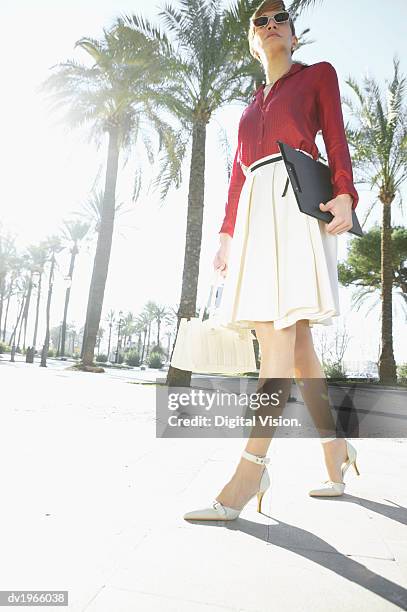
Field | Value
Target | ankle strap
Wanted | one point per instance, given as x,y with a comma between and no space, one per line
255,458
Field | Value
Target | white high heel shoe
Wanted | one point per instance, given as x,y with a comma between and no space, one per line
219,512
331,488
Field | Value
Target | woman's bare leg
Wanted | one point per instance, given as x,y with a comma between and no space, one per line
277,361
314,393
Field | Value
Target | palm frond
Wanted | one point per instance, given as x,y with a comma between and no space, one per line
301,5
136,185
170,170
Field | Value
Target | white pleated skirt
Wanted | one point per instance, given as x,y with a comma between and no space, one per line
286,268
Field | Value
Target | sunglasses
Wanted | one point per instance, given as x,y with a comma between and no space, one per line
263,20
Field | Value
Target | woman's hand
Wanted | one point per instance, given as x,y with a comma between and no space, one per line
222,256
341,208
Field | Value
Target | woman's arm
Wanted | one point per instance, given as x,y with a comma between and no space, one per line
333,132
237,180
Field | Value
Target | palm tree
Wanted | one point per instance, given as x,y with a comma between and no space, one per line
24,318
92,213
70,337
110,319
9,269
380,145
138,329
149,312
127,328
74,232
113,97
363,268
162,315
39,255
21,292
36,261
142,325
99,337
54,247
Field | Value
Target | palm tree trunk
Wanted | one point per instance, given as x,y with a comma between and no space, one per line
26,297
103,249
2,293
45,348
7,309
37,312
59,340
387,364
148,341
20,330
158,331
84,327
14,334
187,308
67,296
110,339
144,345
27,309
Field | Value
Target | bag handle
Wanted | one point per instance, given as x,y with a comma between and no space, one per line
216,281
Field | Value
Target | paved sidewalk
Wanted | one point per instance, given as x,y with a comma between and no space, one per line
93,503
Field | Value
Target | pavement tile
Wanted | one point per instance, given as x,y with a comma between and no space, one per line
399,550
120,600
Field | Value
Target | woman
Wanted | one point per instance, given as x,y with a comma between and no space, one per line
280,265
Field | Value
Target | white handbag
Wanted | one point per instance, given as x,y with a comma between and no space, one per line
209,347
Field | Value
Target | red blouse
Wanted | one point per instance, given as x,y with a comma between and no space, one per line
299,104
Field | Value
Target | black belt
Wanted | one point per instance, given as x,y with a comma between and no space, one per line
270,161
266,161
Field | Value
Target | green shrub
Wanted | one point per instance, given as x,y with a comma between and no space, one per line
4,348
102,358
132,358
157,348
51,353
402,373
155,361
334,370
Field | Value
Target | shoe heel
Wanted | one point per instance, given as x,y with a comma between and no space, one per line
264,485
259,500
351,460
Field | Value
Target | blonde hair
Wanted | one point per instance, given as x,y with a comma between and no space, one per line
266,5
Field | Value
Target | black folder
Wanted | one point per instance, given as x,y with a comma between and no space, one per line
311,183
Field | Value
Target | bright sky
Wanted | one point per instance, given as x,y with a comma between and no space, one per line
48,172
